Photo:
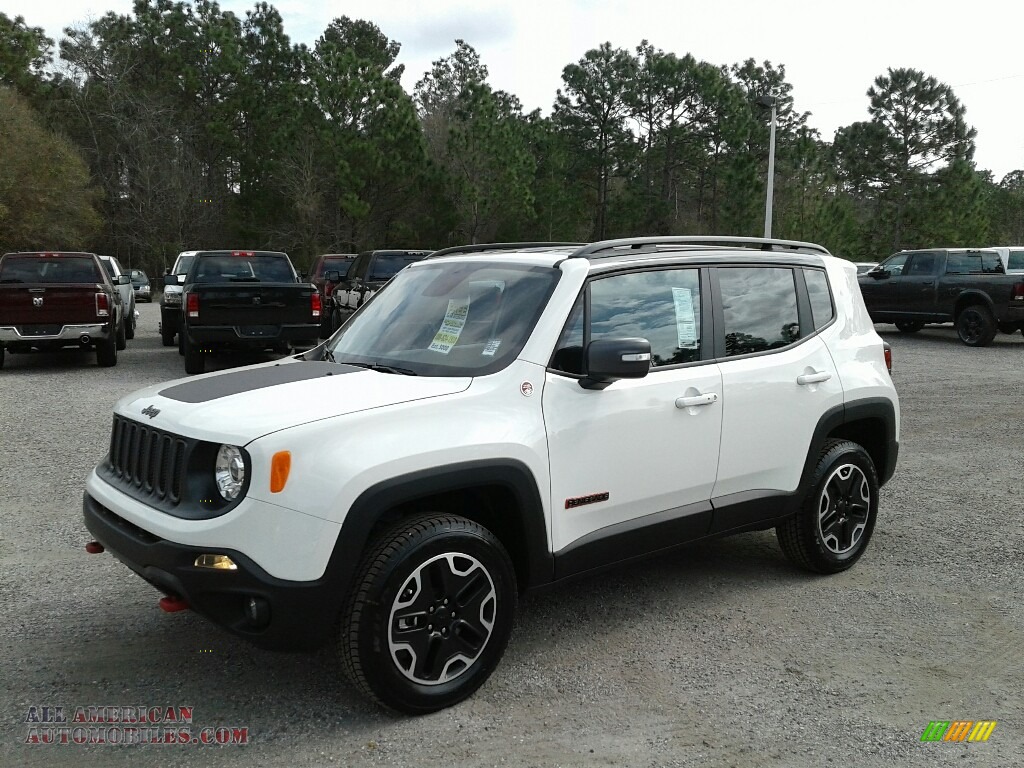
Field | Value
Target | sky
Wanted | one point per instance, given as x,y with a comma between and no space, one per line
832,51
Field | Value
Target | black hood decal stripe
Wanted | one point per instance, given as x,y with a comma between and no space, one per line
225,385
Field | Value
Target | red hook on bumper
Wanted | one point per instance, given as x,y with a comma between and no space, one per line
94,548
173,604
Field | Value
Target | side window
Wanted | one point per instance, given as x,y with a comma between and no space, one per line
759,305
821,298
922,264
568,355
894,266
991,263
661,306
1015,260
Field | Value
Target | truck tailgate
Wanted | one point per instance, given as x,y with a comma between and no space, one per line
249,304
54,304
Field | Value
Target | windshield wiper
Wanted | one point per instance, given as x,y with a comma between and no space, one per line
383,368
328,355
11,280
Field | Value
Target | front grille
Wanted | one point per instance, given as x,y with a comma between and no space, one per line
147,462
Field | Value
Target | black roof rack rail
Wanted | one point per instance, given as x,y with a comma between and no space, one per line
479,247
638,243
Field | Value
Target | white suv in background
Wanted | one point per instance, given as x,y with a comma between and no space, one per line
495,419
115,270
1012,258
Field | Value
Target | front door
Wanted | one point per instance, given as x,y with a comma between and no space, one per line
633,465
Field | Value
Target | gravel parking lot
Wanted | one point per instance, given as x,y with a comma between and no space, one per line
720,655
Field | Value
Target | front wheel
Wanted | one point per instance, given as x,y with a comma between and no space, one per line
975,326
832,528
430,614
129,331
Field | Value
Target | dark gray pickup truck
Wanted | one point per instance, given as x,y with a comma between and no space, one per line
965,286
250,300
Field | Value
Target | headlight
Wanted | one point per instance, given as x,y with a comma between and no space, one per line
172,298
229,472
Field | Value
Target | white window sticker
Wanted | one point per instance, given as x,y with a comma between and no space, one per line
686,326
491,347
451,327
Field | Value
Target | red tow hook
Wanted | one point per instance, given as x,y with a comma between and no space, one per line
94,548
173,604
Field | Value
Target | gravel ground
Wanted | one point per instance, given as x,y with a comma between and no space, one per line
720,655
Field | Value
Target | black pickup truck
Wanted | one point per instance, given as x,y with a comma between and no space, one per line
250,300
965,286
366,276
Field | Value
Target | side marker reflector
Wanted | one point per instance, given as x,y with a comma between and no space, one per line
280,466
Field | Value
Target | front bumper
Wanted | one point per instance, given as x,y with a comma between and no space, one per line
292,615
71,334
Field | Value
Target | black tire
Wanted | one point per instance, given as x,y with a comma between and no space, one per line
121,337
909,326
129,331
832,539
106,352
2,355
167,339
975,325
195,359
418,572
327,325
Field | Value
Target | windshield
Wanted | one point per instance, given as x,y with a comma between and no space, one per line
387,265
250,267
42,269
448,319
341,264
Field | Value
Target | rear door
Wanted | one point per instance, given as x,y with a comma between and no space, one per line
778,379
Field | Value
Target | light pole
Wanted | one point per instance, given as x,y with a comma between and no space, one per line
769,101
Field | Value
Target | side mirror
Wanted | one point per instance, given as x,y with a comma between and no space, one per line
170,279
607,360
878,273
124,280
332,276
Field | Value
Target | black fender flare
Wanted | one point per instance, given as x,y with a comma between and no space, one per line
972,296
374,503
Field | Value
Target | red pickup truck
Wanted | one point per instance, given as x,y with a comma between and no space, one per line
54,300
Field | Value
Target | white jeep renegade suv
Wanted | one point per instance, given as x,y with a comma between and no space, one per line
498,418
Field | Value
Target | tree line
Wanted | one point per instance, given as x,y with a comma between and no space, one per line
182,125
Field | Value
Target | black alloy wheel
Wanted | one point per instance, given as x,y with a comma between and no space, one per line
431,613
975,326
832,528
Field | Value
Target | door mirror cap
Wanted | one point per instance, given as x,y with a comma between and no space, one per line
877,272
124,280
607,360
332,276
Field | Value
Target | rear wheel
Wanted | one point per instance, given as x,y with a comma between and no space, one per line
975,326
431,613
832,528
909,326
122,337
166,337
195,359
1,355
129,331
106,352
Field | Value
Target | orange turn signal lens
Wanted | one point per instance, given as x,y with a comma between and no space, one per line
280,466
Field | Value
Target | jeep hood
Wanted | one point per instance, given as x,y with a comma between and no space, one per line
241,405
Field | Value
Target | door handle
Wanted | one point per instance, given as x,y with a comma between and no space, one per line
692,402
813,378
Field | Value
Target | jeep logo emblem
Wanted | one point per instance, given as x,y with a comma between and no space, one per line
150,411
37,301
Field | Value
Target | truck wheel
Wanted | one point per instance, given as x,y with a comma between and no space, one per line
430,613
909,326
195,359
129,331
121,341
167,339
1,355
327,325
106,352
832,528
975,326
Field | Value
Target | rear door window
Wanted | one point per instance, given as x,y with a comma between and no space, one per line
760,308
